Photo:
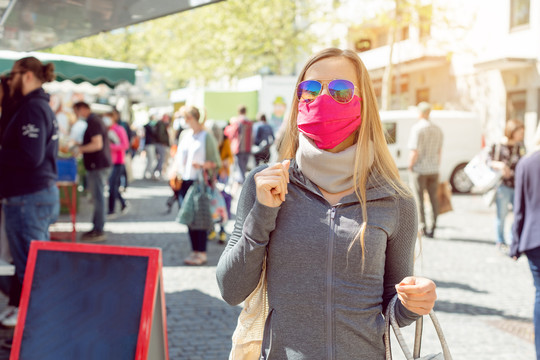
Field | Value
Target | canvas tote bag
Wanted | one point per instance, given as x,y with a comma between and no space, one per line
248,335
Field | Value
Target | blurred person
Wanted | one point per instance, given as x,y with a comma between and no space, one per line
197,152
76,133
97,162
227,158
240,133
264,138
425,144
11,286
127,173
162,145
61,118
118,148
150,141
526,228
333,223
29,147
504,157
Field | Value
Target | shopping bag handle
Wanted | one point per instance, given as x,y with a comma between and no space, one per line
390,321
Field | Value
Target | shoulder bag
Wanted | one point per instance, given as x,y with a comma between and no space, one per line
480,173
390,320
196,212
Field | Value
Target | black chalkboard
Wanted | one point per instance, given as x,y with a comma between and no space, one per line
84,301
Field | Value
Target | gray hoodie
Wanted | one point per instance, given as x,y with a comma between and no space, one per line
322,305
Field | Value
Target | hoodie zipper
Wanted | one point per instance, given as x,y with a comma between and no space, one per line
329,289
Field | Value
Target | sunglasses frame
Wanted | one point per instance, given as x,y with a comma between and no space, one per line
326,83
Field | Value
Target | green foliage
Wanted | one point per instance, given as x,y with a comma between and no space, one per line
229,39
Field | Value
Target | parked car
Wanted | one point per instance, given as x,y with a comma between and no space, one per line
462,141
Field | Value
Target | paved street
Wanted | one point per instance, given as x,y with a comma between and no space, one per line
485,300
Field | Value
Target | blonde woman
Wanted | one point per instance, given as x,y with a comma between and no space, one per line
197,153
333,220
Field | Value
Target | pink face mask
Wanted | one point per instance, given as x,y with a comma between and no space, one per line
328,122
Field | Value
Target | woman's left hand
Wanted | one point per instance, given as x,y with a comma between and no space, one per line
417,294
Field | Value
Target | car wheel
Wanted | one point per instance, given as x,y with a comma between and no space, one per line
460,181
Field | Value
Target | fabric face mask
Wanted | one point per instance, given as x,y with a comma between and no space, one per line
328,122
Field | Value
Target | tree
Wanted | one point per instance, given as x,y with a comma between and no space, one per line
226,40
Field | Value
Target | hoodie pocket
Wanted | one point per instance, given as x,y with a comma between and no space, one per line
267,336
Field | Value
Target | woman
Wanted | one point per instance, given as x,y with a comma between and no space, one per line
335,223
504,157
197,152
527,224
118,144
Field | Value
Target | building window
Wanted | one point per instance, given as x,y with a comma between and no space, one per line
422,95
425,14
404,33
519,13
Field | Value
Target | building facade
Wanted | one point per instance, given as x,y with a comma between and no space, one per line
477,55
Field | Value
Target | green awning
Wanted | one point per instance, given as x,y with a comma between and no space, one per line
76,68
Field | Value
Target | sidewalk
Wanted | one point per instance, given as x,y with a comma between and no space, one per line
485,299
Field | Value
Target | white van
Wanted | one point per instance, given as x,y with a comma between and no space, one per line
462,141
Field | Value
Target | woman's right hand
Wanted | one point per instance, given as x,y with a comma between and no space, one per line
271,184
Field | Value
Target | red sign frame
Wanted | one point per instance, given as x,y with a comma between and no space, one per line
154,277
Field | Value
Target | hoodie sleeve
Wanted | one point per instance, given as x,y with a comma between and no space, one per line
239,268
30,130
399,256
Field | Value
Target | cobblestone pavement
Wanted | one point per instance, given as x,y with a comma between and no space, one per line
485,299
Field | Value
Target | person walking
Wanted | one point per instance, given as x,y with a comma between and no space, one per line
425,144
526,225
30,197
333,223
118,149
127,174
240,133
504,157
97,162
150,148
162,144
197,152
264,138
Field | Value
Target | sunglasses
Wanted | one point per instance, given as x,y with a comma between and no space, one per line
341,90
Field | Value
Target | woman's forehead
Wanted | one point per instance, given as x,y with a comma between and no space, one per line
332,68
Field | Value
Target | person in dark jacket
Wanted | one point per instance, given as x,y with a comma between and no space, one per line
11,287
28,161
526,226
97,162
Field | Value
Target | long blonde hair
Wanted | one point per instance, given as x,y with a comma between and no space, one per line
370,130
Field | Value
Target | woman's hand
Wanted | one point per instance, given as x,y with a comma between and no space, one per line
271,184
417,294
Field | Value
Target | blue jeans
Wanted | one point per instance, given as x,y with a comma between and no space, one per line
161,154
114,187
534,264
28,218
96,184
503,198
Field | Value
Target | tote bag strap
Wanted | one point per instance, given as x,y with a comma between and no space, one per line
390,321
